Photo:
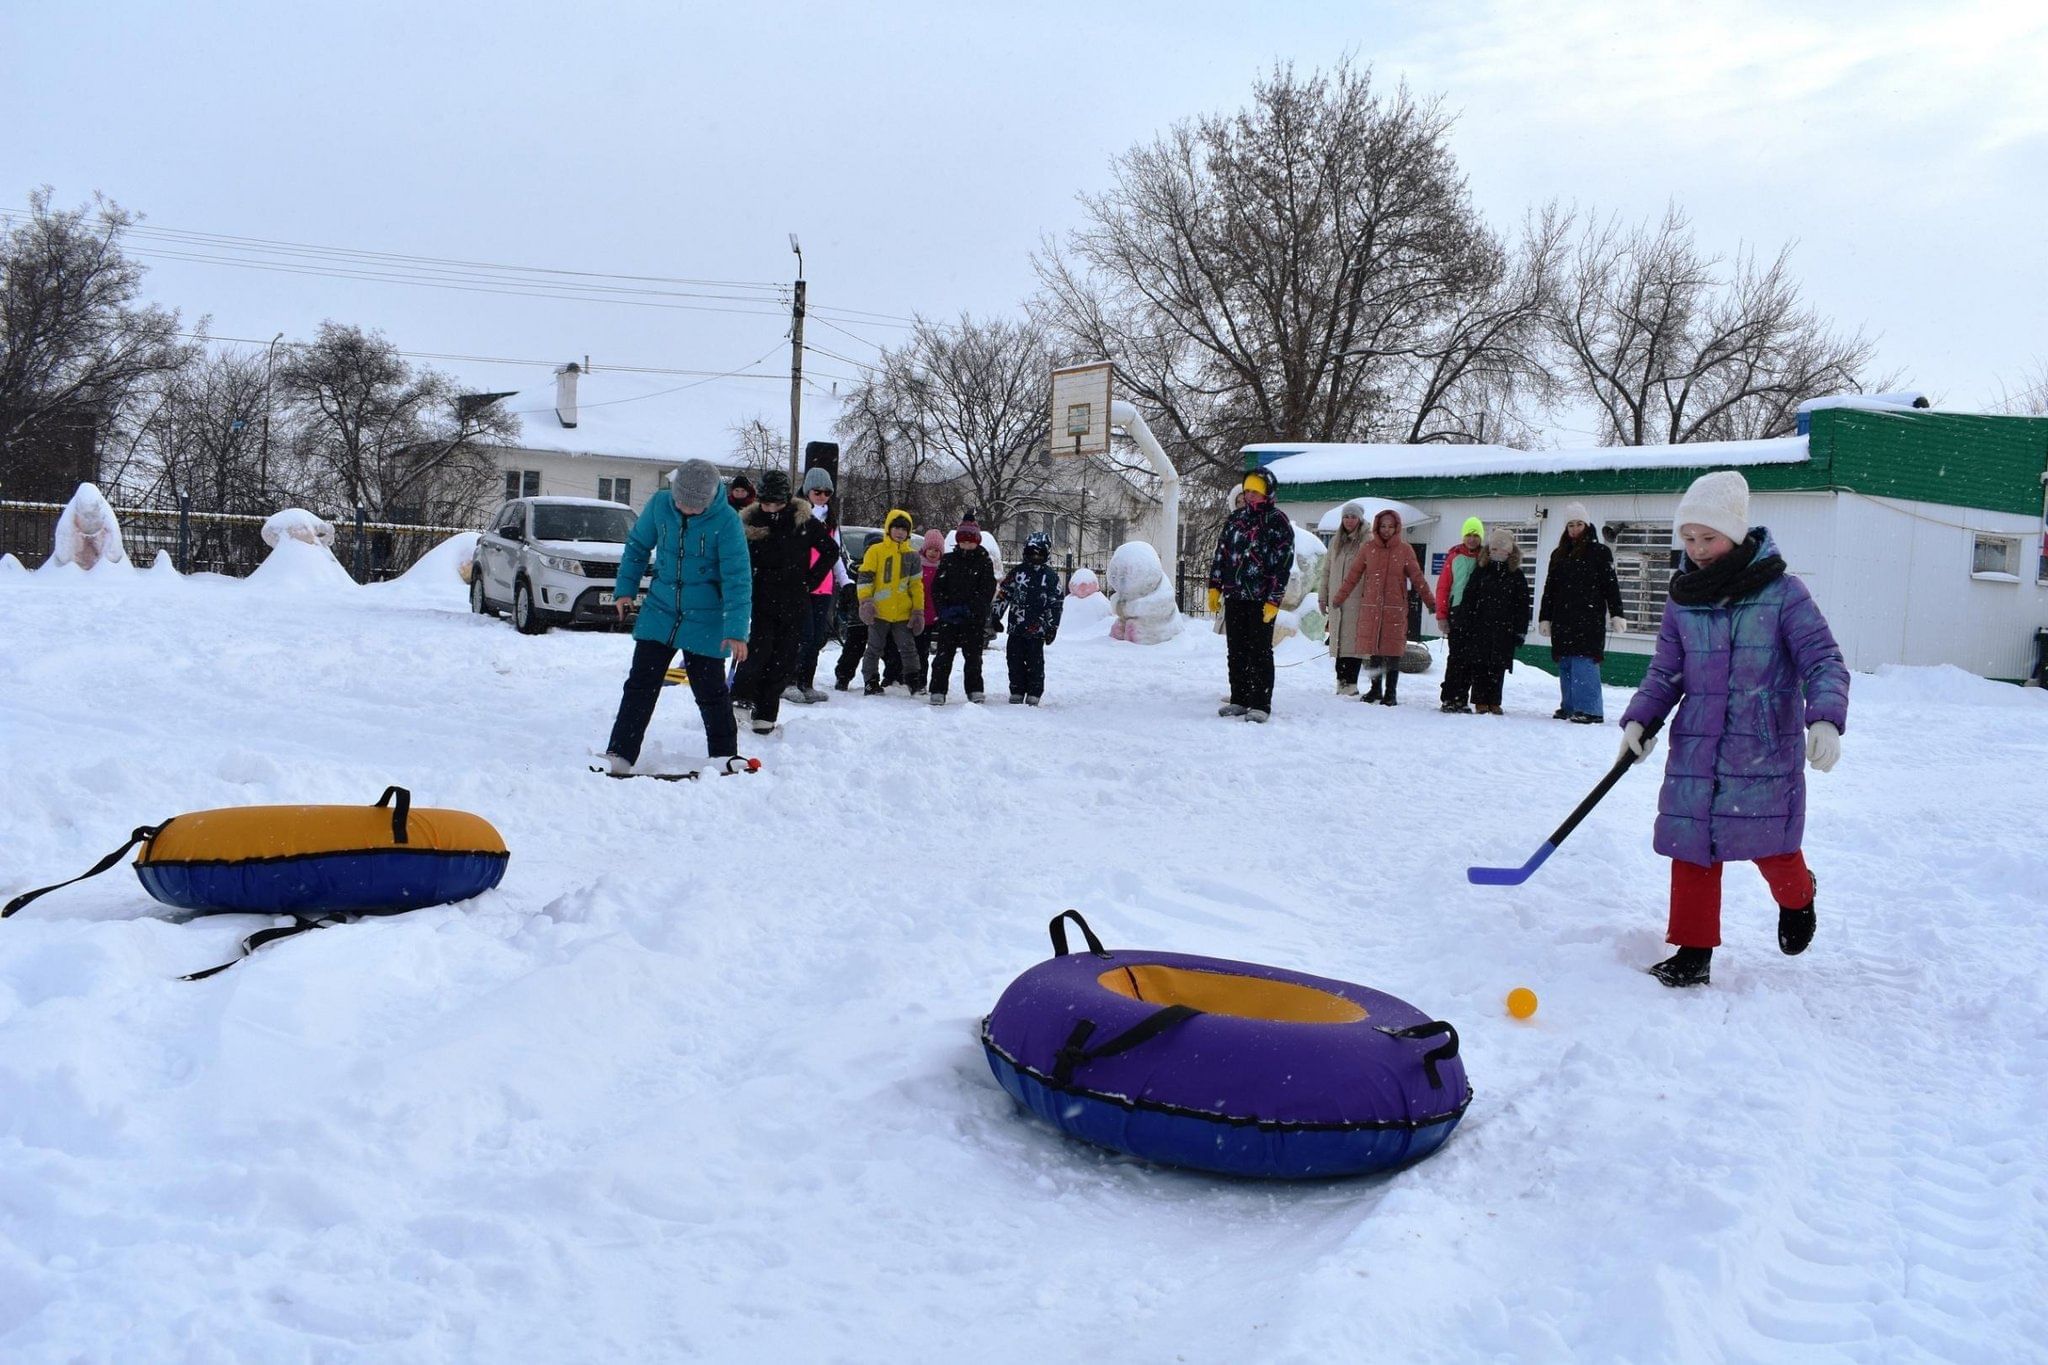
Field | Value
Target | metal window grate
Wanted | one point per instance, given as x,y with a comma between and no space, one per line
1642,561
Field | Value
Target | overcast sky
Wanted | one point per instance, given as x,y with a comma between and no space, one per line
922,151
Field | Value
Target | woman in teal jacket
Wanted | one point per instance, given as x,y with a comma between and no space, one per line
701,602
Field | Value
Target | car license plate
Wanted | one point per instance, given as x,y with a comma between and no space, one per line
604,599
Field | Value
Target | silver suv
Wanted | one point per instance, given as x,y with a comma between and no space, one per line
551,561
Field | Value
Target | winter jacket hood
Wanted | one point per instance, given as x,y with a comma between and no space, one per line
892,574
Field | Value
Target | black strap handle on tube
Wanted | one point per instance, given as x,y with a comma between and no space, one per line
398,811
1059,934
1430,1058
1075,1051
142,834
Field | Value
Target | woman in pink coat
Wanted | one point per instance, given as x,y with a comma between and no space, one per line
1382,570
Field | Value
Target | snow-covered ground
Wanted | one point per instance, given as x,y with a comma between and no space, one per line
700,1080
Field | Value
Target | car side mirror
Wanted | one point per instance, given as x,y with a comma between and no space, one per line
513,533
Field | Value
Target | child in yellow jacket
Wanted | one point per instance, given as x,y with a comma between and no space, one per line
891,591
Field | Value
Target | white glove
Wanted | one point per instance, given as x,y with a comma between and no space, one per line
1617,624
1543,629
1823,745
1633,745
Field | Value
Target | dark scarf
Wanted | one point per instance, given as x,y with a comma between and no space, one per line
1738,574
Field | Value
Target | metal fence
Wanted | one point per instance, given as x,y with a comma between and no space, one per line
219,542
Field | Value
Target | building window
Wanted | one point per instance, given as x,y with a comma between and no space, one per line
616,490
1060,530
522,483
1995,555
1642,561
1114,532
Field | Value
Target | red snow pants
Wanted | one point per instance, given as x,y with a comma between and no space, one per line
1696,895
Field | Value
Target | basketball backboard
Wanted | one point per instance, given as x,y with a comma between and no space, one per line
1080,409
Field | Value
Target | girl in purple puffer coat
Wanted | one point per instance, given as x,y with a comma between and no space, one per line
1761,690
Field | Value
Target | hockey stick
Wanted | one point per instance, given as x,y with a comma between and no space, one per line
1515,876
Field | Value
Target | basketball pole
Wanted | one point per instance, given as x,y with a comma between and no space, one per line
1127,416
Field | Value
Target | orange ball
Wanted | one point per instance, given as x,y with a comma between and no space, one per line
1521,1002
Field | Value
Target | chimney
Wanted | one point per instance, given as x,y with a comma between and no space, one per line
565,393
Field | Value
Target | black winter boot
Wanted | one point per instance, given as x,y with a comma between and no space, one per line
1795,925
1686,967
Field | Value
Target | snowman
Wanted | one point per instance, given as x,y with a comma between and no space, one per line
1141,596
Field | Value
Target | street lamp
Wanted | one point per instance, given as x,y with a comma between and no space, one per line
796,359
263,461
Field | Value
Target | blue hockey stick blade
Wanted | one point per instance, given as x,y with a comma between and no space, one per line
1509,876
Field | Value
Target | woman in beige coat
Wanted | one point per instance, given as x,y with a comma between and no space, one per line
1342,612
1381,573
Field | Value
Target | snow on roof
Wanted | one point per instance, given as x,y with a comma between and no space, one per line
1296,462
1877,402
617,415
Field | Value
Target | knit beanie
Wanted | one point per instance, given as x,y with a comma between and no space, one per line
1501,543
1576,511
1354,508
1473,527
695,484
817,479
775,486
968,532
934,543
1718,501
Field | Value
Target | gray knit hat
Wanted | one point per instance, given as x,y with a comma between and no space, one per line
816,479
695,484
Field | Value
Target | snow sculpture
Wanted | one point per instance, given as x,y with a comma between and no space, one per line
1300,610
1141,596
1086,603
87,532
299,524
298,565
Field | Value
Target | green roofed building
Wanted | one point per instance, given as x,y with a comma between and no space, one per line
1919,532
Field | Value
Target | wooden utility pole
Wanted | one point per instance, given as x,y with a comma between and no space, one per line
796,364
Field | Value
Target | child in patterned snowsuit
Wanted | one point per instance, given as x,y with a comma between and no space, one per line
1032,598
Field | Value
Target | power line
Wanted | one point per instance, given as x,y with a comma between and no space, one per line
499,359
228,240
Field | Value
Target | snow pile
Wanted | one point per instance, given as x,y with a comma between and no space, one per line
88,533
439,579
299,524
658,1099
295,566
1086,604
1141,596
9,565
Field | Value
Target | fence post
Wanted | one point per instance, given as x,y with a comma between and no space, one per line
362,542
184,533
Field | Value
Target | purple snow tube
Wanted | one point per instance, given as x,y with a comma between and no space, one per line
1224,1066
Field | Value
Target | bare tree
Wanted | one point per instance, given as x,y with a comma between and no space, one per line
1309,268
203,436
979,392
758,444
76,351
1671,344
378,434
886,458
2030,397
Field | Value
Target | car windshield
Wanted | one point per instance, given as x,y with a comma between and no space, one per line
556,522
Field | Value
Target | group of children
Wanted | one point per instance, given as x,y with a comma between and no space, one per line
1746,671
931,605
